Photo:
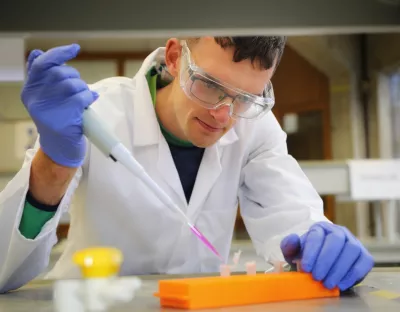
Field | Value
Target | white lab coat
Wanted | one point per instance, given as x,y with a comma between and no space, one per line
110,207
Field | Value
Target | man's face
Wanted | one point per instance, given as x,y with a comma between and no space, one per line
201,126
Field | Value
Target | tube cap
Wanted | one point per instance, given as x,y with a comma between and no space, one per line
98,262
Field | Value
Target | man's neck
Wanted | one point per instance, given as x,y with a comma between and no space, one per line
165,114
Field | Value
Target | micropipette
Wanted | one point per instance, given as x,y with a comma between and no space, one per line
96,131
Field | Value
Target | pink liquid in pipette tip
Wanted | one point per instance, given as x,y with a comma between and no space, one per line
205,241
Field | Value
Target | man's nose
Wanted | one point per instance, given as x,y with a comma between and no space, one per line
222,114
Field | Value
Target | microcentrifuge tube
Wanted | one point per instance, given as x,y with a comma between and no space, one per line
298,265
278,266
225,270
251,268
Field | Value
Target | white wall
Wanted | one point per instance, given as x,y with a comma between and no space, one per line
92,71
336,57
384,55
9,162
384,60
4,179
132,67
10,103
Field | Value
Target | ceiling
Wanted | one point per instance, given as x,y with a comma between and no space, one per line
98,44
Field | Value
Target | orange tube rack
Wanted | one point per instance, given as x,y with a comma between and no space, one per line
239,290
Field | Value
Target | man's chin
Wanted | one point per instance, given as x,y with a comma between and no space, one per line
204,142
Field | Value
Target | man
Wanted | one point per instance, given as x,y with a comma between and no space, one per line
197,116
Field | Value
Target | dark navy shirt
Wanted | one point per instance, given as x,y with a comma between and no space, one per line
186,156
187,161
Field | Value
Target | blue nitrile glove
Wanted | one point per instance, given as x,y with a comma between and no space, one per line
331,253
55,98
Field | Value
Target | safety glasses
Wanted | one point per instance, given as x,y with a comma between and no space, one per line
211,93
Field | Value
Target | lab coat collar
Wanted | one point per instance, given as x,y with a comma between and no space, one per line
228,138
146,127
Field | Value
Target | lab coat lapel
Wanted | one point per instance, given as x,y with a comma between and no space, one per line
146,130
145,126
209,171
167,169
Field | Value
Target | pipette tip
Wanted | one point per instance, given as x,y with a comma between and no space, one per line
206,242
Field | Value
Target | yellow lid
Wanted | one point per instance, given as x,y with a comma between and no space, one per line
98,262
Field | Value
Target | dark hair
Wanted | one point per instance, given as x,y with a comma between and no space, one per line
262,51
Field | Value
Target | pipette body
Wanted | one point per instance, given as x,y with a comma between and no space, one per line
96,131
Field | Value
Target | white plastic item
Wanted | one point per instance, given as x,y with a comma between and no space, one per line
98,133
67,296
93,294
298,265
251,268
236,257
93,289
121,290
278,266
225,270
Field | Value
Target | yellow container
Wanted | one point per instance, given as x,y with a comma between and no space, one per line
98,262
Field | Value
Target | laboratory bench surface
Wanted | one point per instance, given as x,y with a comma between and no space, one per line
380,290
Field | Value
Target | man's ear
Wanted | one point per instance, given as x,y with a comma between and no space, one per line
173,50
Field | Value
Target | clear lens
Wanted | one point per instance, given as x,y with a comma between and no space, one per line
207,92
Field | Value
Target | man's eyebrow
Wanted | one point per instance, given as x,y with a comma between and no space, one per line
213,78
220,82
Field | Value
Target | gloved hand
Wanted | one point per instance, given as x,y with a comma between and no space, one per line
55,98
331,253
